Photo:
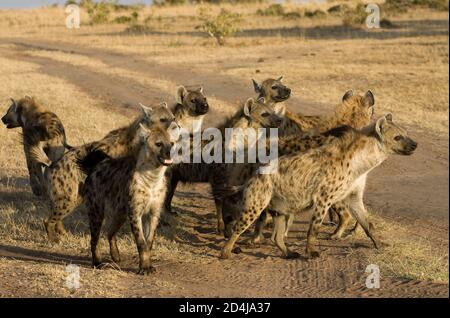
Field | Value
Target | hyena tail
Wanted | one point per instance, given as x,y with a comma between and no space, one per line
88,163
37,154
225,192
67,146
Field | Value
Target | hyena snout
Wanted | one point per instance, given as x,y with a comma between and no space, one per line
283,93
164,155
202,108
410,146
9,122
276,121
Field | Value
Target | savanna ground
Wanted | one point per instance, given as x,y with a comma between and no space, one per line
93,79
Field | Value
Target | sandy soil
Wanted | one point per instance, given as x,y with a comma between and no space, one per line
413,191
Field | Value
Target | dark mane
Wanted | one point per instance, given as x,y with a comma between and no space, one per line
338,132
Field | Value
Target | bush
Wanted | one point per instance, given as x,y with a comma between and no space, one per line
219,26
277,10
315,14
441,5
338,9
402,6
98,12
355,17
273,10
292,15
133,18
169,2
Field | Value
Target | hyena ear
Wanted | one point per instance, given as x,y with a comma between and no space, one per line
200,90
389,117
143,132
261,100
174,132
14,103
280,78
369,99
248,106
181,93
257,87
347,95
147,111
380,125
164,104
28,97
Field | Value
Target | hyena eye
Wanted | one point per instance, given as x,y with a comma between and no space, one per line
163,120
398,138
265,114
158,144
192,100
274,87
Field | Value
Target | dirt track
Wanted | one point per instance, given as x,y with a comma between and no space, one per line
411,190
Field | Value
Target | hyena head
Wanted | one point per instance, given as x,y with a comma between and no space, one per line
13,117
158,116
273,90
262,114
355,110
193,100
394,138
157,143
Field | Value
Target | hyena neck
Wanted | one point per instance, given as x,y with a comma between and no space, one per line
148,170
366,153
190,123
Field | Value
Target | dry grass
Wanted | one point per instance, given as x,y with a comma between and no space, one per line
410,255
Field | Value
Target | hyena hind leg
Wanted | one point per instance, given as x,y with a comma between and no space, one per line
115,226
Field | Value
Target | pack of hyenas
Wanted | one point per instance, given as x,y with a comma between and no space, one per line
322,168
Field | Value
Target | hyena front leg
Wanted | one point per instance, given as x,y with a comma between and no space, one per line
359,212
320,209
253,207
143,249
247,218
36,175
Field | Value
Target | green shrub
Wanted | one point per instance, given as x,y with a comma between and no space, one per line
169,2
273,10
69,2
338,9
98,12
355,17
392,7
315,14
441,5
219,26
292,15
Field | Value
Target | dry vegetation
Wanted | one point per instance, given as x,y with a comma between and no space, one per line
320,58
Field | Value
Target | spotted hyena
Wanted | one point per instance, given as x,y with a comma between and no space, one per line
316,179
129,188
43,133
65,179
